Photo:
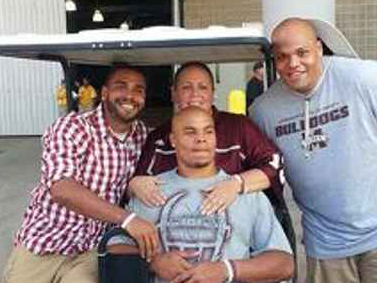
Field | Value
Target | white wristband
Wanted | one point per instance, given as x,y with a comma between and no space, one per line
127,220
229,269
240,180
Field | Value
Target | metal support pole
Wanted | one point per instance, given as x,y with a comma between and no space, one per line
72,105
176,13
270,67
178,7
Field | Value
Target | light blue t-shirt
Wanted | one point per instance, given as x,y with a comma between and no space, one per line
330,154
248,227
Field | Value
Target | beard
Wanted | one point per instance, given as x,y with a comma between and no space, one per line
117,115
198,159
198,165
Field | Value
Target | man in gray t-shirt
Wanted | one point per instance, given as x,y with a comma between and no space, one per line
244,243
322,116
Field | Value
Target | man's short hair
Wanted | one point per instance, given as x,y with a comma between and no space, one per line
258,65
121,66
183,113
196,64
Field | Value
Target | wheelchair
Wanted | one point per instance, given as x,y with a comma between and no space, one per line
119,268
122,268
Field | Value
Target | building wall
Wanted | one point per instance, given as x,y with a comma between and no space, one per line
27,103
199,13
357,19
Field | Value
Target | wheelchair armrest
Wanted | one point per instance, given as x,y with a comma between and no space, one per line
102,247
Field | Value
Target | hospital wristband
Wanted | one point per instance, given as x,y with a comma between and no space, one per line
229,270
127,220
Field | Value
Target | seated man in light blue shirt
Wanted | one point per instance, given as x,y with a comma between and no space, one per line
245,243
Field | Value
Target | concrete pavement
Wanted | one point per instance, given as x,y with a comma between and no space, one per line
19,173
19,167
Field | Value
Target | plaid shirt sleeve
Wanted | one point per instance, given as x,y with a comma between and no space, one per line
62,150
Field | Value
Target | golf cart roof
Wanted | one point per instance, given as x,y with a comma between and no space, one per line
148,46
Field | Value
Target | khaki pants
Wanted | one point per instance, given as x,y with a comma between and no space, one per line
24,266
361,268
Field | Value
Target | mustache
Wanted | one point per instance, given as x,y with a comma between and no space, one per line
123,100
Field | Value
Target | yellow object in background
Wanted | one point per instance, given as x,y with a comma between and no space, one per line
87,93
61,96
236,102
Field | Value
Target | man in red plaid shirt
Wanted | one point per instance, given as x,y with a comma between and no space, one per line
87,162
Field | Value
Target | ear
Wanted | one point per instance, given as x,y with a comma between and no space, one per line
320,48
172,139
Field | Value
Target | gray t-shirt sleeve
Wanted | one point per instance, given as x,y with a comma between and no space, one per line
267,233
366,78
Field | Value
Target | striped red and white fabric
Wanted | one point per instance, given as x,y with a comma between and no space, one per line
83,148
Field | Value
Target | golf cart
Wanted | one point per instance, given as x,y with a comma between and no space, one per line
155,46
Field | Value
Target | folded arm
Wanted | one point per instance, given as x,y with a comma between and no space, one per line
271,266
167,265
